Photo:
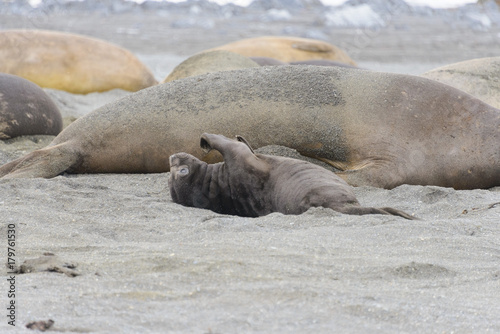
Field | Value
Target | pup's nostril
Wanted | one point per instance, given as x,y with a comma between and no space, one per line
205,145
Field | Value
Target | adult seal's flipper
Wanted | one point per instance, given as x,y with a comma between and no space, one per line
47,162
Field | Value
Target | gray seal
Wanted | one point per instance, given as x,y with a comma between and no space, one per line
251,185
378,129
25,109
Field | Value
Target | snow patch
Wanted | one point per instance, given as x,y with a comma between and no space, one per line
361,16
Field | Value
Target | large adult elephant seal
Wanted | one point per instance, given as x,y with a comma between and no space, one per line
210,62
25,109
70,62
478,77
379,129
287,49
266,61
251,185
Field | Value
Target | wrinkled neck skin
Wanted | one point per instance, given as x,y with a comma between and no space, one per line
211,192
224,193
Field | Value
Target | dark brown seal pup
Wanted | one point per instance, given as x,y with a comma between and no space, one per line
379,129
251,185
25,109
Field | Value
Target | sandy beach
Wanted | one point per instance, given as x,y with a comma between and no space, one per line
111,253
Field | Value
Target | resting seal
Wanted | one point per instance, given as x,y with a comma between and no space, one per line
379,129
321,62
70,62
251,185
287,49
478,77
210,62
268,61
25,109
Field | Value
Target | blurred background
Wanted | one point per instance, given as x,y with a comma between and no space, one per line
390,35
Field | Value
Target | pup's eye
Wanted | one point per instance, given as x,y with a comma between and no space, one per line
184,171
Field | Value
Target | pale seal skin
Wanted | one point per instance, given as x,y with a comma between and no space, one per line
210,62
478,77
321,62
379,129
268,61
25,109
287,49
252,185
70,62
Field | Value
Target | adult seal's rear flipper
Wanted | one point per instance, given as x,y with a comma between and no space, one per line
47,162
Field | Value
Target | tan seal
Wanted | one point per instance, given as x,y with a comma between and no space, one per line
267,61
321,62
287,49
478,77
70,62
379,129
209,62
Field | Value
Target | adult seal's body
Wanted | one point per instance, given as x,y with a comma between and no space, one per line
478,77
378,129
321,62
70,62
287,49
268,61
251,185
25,109
210,62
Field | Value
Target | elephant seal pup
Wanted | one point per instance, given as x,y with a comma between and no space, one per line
70,62
287,49
379,129
478,77
209,62
25,109
251,185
